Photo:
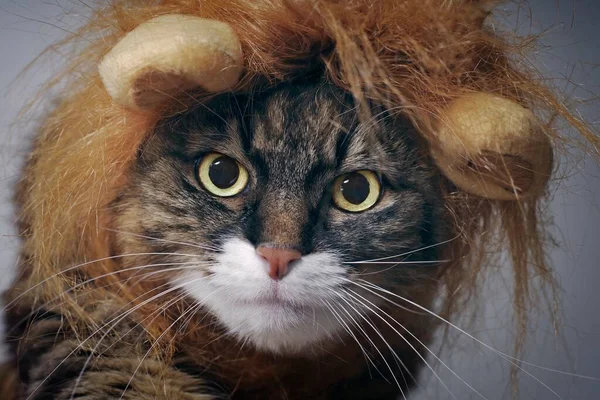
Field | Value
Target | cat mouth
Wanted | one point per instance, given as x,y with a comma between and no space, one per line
273,298
277,302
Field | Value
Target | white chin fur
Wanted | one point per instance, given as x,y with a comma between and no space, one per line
237,289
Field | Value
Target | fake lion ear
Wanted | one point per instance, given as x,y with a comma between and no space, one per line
493,147
168,55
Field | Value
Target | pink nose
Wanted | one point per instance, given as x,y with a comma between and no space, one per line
278,259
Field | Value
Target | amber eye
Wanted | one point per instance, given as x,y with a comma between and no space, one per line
221,175
357,191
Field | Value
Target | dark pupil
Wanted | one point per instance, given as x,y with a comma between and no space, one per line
223,172
355,188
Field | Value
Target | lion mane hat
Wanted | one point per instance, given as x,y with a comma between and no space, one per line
486,119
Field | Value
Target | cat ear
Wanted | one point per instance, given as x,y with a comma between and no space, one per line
493,147
168,55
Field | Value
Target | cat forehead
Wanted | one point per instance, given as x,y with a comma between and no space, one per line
311,117
298,123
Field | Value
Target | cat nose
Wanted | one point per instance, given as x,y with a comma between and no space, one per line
278,259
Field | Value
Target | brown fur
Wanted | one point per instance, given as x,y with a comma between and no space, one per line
413,54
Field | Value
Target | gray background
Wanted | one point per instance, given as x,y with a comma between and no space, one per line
570,55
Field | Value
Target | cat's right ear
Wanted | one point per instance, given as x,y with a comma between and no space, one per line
168,55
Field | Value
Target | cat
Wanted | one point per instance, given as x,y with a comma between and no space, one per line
281,242
297,238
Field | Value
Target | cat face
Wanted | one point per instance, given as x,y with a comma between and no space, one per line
262,207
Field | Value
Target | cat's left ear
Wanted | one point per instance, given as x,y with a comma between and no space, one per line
493,147
168,55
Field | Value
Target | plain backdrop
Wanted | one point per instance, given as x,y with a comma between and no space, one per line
569,55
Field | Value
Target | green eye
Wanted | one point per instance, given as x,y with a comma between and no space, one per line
221,175
357,191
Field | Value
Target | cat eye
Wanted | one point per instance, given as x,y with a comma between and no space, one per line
221,175
357,191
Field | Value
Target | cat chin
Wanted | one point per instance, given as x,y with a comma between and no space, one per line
270,327
279,330
284,317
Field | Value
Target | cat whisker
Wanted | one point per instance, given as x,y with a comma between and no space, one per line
394,264
348,330
354,295
409,252
162,308
512,360
587,377
137,269
69,269
154,314
215,339
394,354
184,266
137,235
342,324
385,298
242,345
398,262
200,321
87,281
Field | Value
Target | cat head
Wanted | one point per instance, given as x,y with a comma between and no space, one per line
266,209
282,195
